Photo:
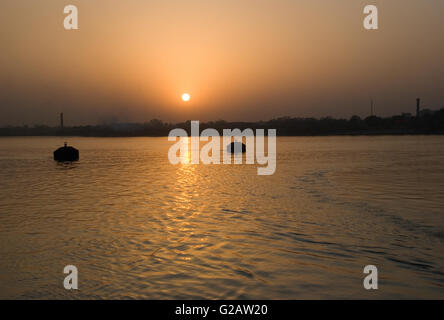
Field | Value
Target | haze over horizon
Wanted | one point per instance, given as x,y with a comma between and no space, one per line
244,60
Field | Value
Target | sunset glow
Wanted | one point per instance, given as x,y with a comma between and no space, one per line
219,158
186,97
248,61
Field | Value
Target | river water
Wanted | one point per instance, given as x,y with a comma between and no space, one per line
138,227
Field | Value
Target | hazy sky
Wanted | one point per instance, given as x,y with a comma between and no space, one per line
238,59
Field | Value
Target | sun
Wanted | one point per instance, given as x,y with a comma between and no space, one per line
186,97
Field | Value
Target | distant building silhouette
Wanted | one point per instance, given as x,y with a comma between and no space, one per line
426,112
426,121
418,103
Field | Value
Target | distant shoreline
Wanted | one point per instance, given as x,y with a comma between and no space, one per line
351,134
427,122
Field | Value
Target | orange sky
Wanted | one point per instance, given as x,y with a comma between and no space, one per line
239,59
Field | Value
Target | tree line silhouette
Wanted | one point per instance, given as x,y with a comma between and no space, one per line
428,122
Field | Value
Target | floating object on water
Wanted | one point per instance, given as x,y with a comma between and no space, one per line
66,153
236,147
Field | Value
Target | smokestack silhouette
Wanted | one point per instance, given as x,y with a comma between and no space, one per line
61,120
418,103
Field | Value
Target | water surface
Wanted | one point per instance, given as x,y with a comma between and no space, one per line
138,227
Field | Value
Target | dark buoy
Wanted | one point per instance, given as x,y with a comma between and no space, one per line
236,147
66,153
